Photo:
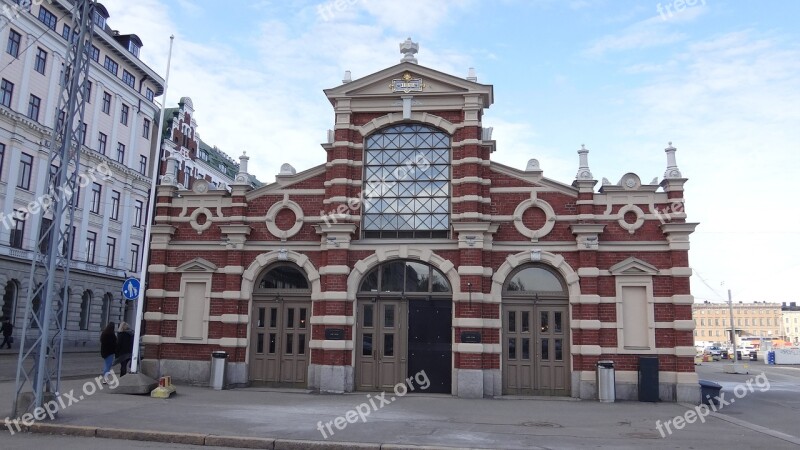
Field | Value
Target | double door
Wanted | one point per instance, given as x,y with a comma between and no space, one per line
535,349
398,339
279,339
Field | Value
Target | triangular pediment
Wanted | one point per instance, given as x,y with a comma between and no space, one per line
197,265
433,83
633,266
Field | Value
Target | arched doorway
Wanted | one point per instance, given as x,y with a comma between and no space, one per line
280,327
404,326
536,358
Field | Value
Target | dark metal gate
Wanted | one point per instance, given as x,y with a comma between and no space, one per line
430,342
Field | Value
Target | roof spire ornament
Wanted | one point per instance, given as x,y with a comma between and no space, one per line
672,166
409,49
583,164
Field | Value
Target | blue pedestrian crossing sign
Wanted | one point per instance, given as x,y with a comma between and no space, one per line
130,289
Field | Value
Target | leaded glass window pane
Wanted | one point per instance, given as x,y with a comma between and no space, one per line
407,183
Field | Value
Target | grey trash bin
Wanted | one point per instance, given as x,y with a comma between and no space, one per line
218,360
606,388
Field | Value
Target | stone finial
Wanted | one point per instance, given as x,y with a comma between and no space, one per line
471,76
287,169
533,166
672,166
583,165
170,177
409,49
242,177
348,77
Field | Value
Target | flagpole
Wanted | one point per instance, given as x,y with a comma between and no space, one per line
151,212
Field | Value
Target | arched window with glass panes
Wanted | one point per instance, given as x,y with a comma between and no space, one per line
407,183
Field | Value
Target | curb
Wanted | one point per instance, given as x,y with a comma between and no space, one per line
211,440
750,426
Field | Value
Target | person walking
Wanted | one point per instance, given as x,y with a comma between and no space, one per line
124,347
8,330
108,346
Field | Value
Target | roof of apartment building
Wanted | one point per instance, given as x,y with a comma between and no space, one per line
216,157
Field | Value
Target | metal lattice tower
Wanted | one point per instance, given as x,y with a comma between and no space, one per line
41,346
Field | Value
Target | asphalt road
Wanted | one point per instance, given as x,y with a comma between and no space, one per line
774,401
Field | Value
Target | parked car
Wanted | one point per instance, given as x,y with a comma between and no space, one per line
715,352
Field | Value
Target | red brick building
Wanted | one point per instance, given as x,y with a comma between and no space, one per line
409,249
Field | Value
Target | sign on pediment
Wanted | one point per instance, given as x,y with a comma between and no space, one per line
407,84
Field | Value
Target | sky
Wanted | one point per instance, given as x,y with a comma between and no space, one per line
718,79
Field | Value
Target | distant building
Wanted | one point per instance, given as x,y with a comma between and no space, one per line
712,320
195,159
790,322
117,136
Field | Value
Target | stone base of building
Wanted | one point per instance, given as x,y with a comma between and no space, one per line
330,379
667,392
195,373
477,383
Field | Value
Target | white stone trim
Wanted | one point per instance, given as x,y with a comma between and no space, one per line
272,213
265,259
471,322
646,282
202,278
330,345
193,219
344,162
334,270
232,318
477,348
471,179
631,227
586,324
393,118
332,320
471,198
475,270
550,217
470,160
587,350
342,181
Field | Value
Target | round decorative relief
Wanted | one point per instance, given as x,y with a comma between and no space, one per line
631,181
272,213
200,220
549,222
631,227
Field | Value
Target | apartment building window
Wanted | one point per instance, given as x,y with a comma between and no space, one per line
86,309
6,93
128,78
133,48
120,153
2,158
111,251
33,107
106,103
149,94
111,65
102,139
18,232
134,257
99,20
115,205
123,118
45,233
137,213
146,128
142,164
40,64
67,237
203,155
66,31
47,18
94,53
82,134
97,192
91,241
88,91
14,40
25,170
